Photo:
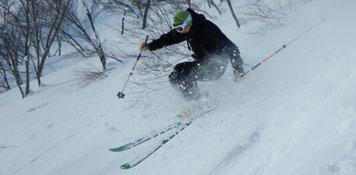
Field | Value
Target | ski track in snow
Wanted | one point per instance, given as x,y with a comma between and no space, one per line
237,151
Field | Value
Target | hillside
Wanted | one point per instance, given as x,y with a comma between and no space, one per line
294,115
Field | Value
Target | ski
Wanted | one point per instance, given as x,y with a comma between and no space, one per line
145,138
143,157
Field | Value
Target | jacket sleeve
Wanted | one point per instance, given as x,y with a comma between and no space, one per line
232,51
170,38
228,47
235,58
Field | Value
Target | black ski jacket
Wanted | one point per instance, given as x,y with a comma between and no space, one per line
205,39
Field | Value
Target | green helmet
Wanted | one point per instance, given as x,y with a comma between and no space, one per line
181,17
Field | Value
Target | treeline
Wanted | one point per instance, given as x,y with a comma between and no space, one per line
31,31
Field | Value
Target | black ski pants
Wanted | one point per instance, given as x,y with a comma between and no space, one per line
186,75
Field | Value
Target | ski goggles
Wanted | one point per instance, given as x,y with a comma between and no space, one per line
180,28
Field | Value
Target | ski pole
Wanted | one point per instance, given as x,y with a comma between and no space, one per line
283,47
121,94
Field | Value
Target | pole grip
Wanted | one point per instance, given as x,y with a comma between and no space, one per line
146,39
139,55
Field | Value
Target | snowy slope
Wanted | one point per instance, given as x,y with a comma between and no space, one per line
296,114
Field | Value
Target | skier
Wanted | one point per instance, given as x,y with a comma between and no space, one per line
211,52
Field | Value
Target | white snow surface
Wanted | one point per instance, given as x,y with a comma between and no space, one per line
294,115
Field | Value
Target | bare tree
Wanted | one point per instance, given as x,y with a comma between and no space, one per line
80,32
26,32
5,82
9,47
19,19
11,44
46,28
123,22
144,22
233,13
211,2
97,42
139,3
269,14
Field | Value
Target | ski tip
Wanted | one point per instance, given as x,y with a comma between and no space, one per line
112,150
119,149
126,166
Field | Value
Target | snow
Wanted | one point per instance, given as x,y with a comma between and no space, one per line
295,114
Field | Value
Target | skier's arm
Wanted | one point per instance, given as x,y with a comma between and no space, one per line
170,38
235,58
233,52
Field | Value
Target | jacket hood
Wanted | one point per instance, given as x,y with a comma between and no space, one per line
198,19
